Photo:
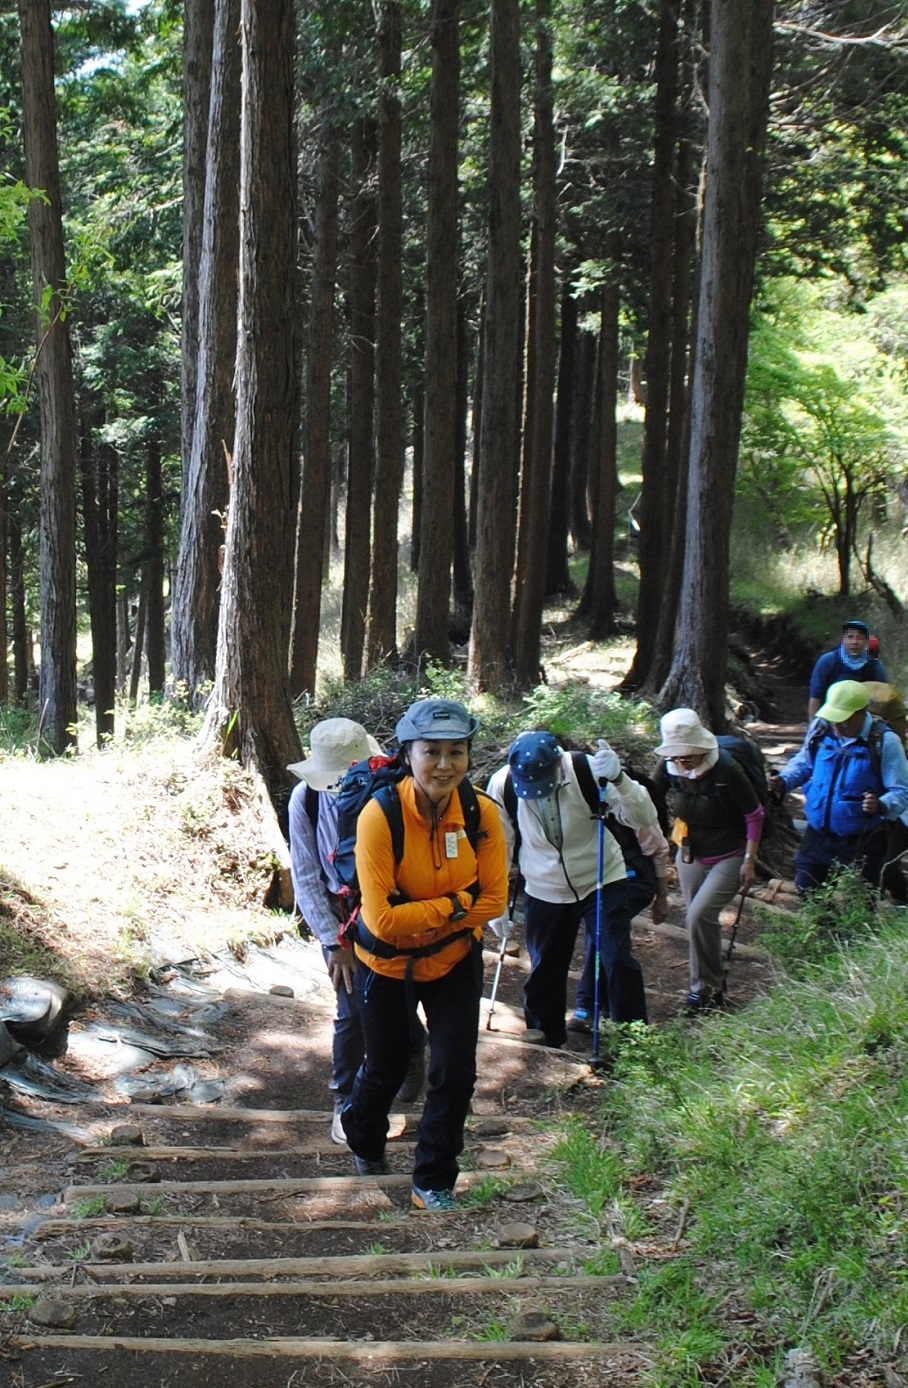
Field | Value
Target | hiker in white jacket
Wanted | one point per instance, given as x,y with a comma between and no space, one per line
545,811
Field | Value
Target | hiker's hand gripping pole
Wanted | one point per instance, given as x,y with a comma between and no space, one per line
518,882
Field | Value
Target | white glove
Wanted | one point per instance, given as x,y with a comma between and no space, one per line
606,762
500,926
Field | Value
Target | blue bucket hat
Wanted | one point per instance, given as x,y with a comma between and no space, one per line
535,763
436,720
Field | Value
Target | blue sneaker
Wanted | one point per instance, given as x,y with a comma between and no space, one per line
432,1199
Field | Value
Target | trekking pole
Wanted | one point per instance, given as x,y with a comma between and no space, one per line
504,949
734,929
600,872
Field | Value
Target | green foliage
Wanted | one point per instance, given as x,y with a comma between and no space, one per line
776,1140
843,912
579,714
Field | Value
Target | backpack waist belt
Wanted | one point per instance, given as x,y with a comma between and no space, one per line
382,950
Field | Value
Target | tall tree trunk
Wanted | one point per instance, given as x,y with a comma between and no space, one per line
598,604
496,491
312,518
557,574
536,481
581,436
123,637
739,77
678,438
212,296
361,450
57,687
462,576
381,640
99,469
22,652
138,647
657,494
198,34
154,540
250,711
436,529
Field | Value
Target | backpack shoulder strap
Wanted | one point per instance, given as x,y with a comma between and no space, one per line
821,728
472,812
509,795
389,800
586,781
878,729
311,802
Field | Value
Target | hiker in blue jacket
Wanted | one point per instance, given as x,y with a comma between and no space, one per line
850,660
857,781
335,744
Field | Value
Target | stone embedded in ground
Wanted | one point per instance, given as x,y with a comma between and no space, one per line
534,1325
31,1007
143,1171
518,1195
112,1248
281,990
491,1127
146,1096
122,1202
493,1159
516,1234
126,1135
53,1314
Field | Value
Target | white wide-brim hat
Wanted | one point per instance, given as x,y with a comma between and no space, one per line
334,745
683,735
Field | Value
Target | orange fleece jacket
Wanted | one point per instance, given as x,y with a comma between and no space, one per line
426,875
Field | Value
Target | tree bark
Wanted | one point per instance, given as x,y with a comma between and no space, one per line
155,647
598,604
558,577
4,558
582,430
381,641
497,481
22,651
461,572
250,711
314,497
739,77
536,480
656,498
99,469
361,450
436,528
198,34
212,296
57,685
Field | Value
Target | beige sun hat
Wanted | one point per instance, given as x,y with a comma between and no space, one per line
683,735
334,745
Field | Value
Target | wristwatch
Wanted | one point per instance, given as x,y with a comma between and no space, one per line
457,911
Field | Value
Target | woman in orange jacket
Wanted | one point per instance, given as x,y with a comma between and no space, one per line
420,941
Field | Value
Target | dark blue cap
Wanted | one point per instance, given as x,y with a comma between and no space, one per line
535,762
856,625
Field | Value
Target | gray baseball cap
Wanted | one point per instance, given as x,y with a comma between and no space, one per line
436,720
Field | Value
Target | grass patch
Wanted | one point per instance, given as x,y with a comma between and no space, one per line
761,1158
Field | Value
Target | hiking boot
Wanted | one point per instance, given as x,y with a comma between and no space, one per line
414,1085
432,1199
364,1167
580,1020
337,1128
700,1000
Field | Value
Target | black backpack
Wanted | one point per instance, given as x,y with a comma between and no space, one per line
376,778
748,756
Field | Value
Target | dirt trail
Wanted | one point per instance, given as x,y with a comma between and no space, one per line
186,1218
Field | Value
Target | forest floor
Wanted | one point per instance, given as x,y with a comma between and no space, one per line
151,862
